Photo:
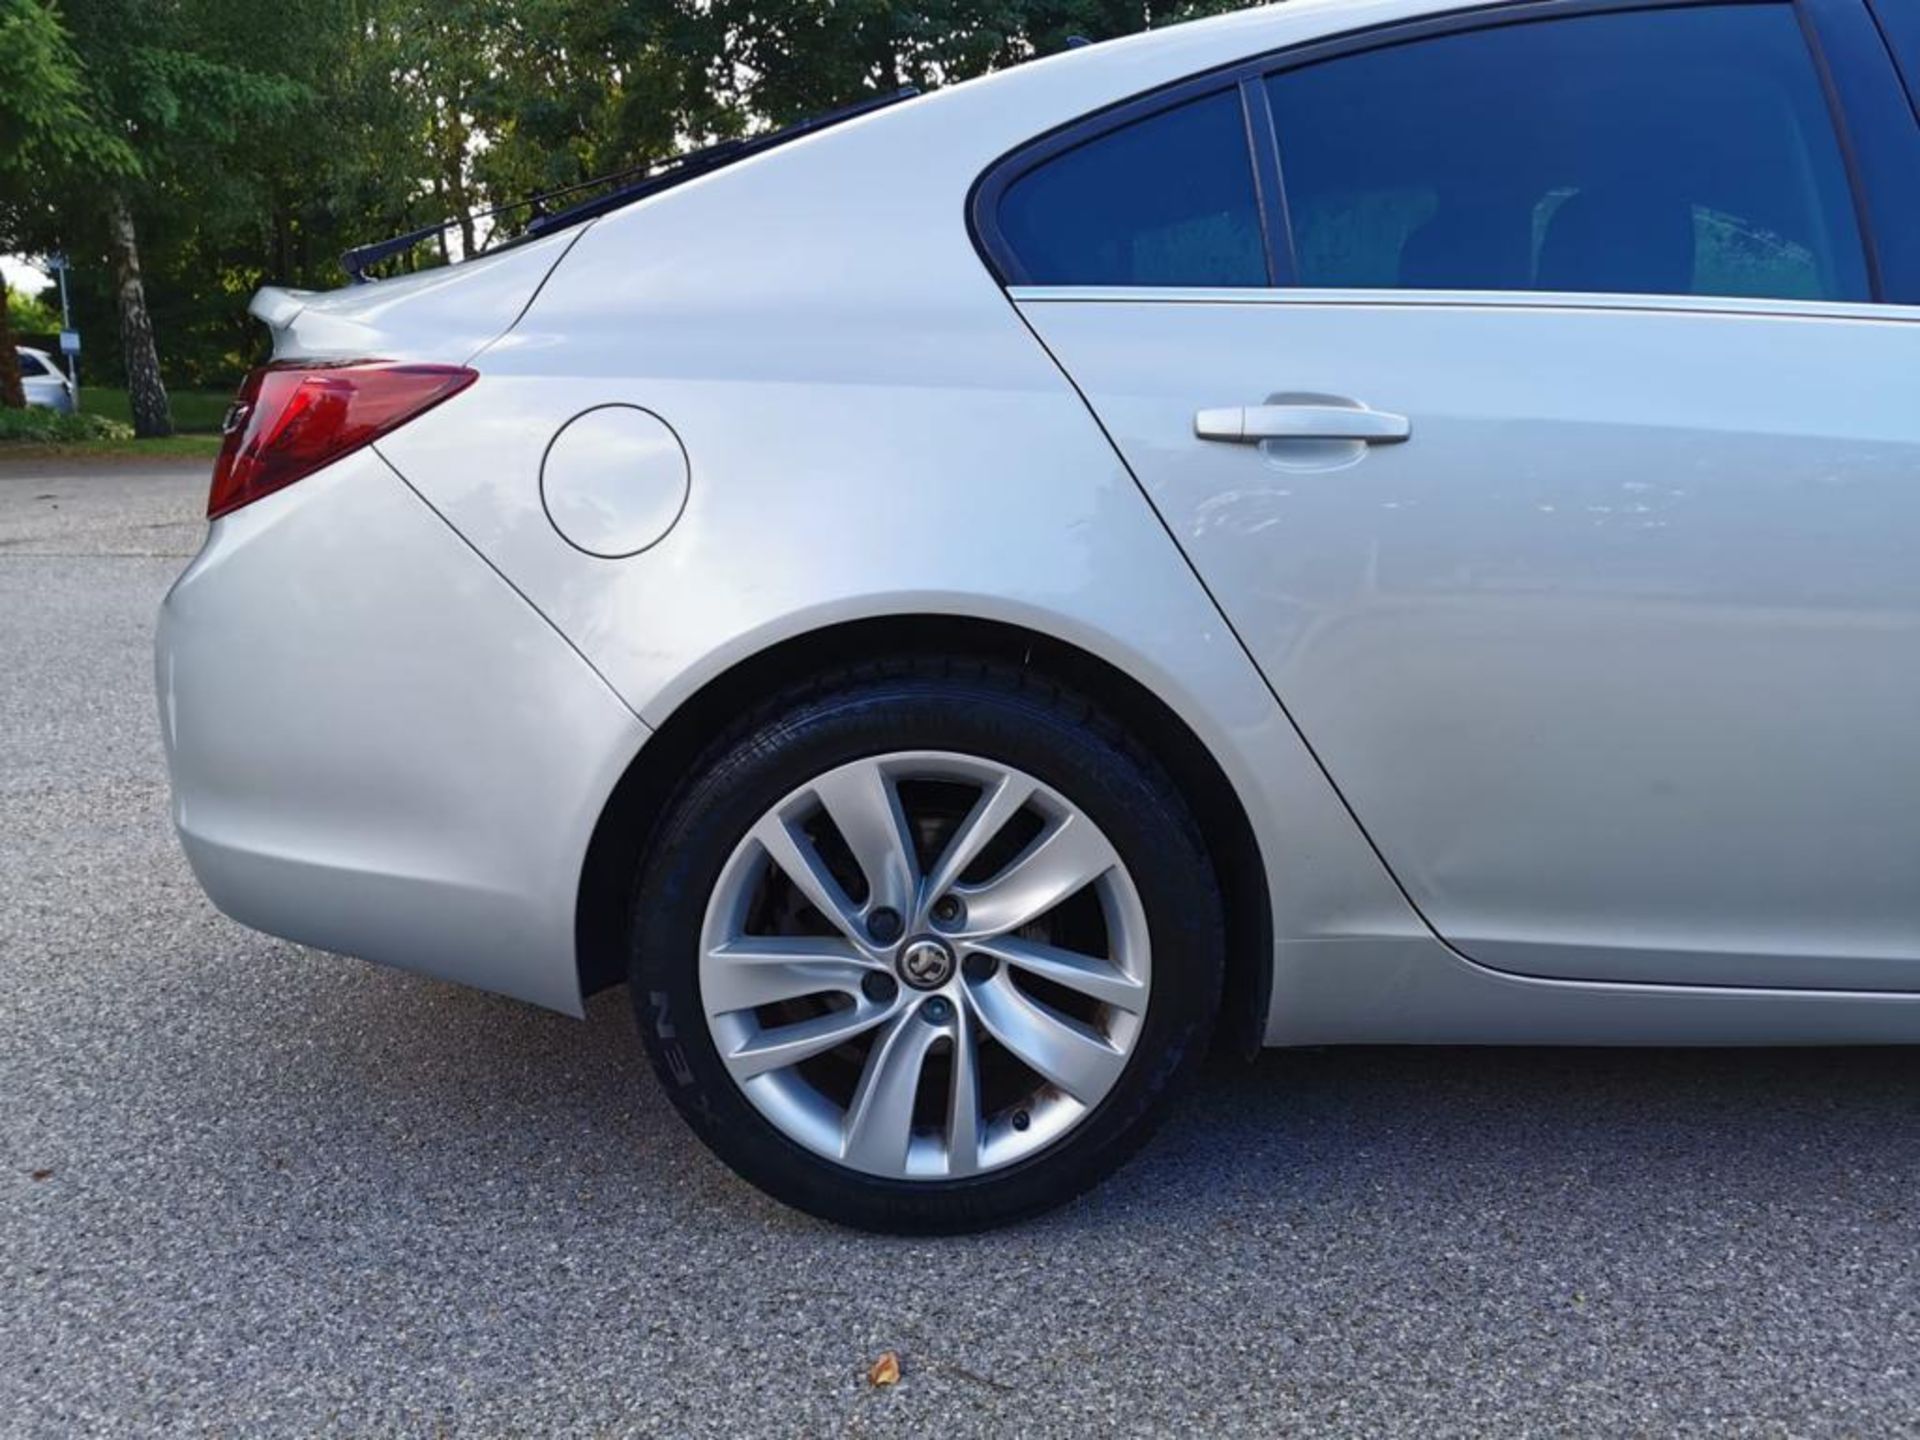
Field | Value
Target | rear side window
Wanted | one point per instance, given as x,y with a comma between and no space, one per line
31,367
1686,151
1168,200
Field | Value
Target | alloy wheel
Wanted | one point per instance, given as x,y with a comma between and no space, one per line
925,965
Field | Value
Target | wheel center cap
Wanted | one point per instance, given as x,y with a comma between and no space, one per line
926,964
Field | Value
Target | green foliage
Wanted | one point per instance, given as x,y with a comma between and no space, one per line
783,60
37,425
33,316
51,133
43,110
202,90
46,135
260,140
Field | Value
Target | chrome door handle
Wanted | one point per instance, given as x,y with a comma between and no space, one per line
1250,424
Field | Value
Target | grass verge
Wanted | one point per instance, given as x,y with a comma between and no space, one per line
194,411
176,447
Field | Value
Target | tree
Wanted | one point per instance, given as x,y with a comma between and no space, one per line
181,80
257,141
571,89
335,160
50,134
784,60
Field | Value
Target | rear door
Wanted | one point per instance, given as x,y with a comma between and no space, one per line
1551,438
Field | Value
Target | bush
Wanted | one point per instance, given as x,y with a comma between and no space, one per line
37,425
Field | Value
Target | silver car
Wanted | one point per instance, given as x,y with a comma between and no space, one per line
45,382
1382,522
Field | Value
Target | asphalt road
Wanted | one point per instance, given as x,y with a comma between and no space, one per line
248,1189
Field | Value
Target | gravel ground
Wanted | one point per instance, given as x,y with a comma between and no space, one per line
248,1189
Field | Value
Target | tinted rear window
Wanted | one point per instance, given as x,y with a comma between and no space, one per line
1168,200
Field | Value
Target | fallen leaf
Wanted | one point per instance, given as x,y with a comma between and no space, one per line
43,1174
885,1371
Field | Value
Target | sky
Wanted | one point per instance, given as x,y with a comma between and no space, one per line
22,276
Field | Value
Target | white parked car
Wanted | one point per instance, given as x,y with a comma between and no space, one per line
44,381
1381,522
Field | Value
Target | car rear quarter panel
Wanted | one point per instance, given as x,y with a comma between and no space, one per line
376,746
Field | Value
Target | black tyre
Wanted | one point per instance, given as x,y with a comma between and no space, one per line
925,947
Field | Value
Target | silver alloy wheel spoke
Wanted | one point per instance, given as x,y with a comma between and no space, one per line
834,1036
963,1095
1097,979
801,864
1064,860
755,971
997,805
879,1125
1083,1064
787,1045
865,809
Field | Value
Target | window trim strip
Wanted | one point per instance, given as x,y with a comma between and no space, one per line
1879,138
1749,305
1270,193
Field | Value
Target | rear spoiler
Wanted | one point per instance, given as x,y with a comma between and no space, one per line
444,314
276,308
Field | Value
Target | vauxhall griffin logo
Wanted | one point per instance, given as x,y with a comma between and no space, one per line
926,964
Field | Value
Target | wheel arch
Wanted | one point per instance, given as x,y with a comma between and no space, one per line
624,831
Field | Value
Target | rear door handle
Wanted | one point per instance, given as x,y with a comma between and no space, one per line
1250,424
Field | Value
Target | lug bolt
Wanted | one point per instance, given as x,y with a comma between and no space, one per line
879,987
884,926
947,909
1021,1120
936,1011
979,966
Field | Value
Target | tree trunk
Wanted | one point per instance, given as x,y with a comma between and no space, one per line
453,165
13,394
146,395
440,208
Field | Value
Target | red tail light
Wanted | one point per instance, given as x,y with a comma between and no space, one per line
292,417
